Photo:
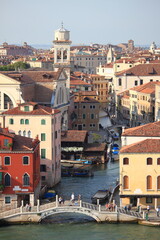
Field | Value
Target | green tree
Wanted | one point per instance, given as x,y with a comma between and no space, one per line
96,137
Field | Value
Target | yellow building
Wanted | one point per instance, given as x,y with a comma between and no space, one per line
140,173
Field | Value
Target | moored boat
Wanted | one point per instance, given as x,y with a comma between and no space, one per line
101,196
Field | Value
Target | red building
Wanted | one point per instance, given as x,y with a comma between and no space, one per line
19,169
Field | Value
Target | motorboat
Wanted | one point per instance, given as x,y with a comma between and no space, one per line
101,196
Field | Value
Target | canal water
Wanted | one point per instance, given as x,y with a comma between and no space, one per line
76,226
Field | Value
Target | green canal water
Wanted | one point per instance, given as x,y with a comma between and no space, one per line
80,227
85,231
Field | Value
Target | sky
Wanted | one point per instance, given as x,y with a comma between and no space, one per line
89,21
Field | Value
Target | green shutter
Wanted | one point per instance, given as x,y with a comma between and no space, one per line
1,177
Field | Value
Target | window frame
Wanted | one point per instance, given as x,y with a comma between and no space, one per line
43,155
43,137
9,160
43,122
26,178
28,160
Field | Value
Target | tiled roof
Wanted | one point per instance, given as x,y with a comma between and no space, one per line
5,132
34,76
148,130
95,147
38,110
86,93
73,136
78,82
146,88
21,143
151,69
145,146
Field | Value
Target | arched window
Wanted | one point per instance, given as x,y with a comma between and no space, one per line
43,121
158,161
7,180
26,121
158,183
29,134
125,161
22,121
125,182
24,133
149,182
26,180
149,161
7,102
19,132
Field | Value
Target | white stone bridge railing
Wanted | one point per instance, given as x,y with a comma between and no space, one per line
95,211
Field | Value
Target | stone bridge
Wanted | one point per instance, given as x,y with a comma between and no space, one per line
97,212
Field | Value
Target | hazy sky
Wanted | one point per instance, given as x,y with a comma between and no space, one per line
89,21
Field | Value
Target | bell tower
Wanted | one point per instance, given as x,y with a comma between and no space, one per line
62,51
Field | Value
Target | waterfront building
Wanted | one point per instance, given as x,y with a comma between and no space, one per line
73,143
86,111
31,119
139,133
19,170
140,173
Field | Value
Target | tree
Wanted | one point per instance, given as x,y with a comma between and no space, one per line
96,137
15,66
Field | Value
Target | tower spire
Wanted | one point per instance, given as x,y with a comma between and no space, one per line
62,24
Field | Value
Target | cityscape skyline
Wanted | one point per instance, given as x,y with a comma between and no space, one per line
102,22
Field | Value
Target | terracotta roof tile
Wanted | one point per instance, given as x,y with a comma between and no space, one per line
73,136
142,70
38,110
148,130
145,146
21,143
95,147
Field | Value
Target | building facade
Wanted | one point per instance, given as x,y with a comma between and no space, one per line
30,119
140,174
19,170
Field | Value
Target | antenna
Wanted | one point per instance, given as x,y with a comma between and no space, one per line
62,24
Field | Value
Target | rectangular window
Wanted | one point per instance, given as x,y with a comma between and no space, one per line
26,108
43,137
7,200
120,82
42,168
26,160
43,178
141,81
43,153
136,83
6,141
7,160
56,135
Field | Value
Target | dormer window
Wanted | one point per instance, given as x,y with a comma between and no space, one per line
26,108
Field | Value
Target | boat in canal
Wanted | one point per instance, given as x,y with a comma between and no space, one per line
101,196
76,172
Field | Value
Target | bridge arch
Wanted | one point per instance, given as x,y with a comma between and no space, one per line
57,211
